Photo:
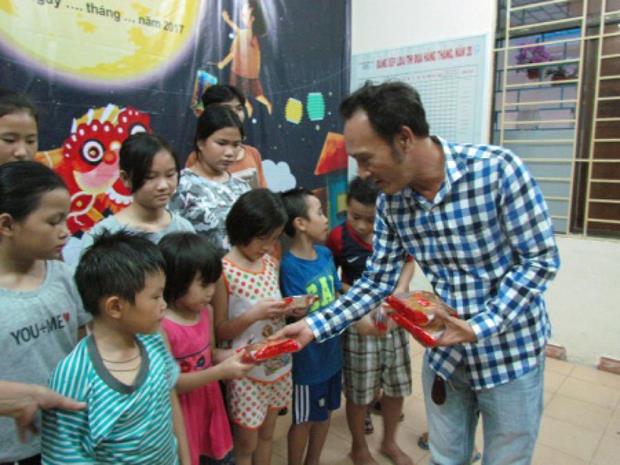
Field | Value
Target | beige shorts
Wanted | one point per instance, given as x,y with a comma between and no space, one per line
249,401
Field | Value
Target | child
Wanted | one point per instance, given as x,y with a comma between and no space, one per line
150,170
249,308
193,266
40,309
18,127
122,370
245,54
308,268
207,190
249,164
371,364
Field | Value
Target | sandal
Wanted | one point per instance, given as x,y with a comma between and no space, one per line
368,426
423,441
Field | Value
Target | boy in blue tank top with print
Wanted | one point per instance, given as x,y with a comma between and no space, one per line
308,268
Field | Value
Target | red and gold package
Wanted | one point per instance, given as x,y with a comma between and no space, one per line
414,312
264,350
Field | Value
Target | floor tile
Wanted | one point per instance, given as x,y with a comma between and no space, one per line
425,460
608,451
547,396
595,376
415,415
554,380
578,412
544,455
613,428
558,366
572,440
589,392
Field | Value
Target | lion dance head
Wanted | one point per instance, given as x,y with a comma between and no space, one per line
88,163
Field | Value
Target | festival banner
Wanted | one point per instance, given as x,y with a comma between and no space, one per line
99,71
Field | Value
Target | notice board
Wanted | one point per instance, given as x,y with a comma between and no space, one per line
449,75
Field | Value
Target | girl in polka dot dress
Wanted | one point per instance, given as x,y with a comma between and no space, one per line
249,308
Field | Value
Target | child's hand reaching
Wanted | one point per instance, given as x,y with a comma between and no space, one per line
225,16
268,308
232,367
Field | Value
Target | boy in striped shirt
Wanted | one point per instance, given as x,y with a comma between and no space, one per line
122,370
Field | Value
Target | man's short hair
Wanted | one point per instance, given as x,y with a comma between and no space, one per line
389,106
116,265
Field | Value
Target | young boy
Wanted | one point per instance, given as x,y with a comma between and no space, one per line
122,370
371,364
308,268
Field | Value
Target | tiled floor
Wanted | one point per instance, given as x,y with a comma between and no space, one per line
580,425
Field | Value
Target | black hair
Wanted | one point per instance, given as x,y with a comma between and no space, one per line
363,190
186,254
389,106
257,213
296,206
117,264
137,154
12,102
22,184
259,26
218,94
214,118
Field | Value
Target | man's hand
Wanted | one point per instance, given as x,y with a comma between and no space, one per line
22,402
300,331
457,331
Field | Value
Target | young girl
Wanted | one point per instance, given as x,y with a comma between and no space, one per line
193,266
40,310
249,308
249,164
207,190
18,127
245,54
150,171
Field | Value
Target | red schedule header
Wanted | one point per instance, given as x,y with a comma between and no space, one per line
430,56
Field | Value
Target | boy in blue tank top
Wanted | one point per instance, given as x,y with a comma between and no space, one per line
308,268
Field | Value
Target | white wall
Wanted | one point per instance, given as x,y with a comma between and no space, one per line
382,24
584,300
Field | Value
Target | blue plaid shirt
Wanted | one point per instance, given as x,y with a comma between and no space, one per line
485,243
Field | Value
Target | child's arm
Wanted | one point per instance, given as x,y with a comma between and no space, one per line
228,58
229,368
406,275
224,62
227,329
179,430
230,22
366,325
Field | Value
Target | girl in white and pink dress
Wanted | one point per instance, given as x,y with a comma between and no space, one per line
249,308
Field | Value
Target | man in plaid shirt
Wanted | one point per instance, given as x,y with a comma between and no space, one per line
476,223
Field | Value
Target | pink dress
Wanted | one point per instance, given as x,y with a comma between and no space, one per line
206,421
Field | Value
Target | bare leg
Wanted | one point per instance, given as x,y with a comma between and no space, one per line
262,99
297,440
318,435
262,454
392,407
360,454
244,445
248,108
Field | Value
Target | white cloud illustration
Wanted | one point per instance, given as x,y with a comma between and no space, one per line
279,176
